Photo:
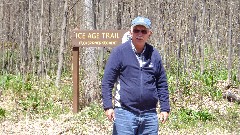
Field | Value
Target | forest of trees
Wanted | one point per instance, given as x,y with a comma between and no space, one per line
190,34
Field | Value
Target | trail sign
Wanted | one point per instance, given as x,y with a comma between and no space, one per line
90,38
97,38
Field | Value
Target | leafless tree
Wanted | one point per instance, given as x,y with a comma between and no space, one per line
40,67
202,45
91,91
62,43
230,48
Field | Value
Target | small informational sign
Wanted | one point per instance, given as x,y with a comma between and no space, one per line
97,38
92,38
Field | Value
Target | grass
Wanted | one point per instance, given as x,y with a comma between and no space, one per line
199,106
35,96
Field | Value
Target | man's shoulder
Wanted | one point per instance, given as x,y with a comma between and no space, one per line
122,46
154,51
151,48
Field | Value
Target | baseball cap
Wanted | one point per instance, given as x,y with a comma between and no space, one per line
141,21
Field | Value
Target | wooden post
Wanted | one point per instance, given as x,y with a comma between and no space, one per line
75,79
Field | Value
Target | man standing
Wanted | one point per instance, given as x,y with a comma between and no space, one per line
142,82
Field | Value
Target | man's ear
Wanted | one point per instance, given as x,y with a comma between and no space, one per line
131,33
150,33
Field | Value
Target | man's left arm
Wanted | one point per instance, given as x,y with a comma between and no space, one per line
163,93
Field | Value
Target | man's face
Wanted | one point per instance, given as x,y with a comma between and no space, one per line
140,35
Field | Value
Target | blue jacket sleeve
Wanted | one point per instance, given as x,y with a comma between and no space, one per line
162,86
110,76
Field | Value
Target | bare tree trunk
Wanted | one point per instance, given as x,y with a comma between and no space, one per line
51,34
238,41
239,60
15,9
202,46
40,68
2,48
186,59
91,91
119,14
179,60
230,48
134,9
24,39
9,57
29,38
61,49
194,34
49,38
102,49
21,55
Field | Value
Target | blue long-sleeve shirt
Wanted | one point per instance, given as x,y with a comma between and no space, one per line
140,86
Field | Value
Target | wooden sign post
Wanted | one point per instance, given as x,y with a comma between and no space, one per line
90,38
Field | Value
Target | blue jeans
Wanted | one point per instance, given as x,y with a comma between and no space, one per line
132,123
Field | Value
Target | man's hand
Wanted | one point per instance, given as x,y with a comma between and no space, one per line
163,117
110,114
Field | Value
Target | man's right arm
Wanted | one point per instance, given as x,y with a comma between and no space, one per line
110,76
110,114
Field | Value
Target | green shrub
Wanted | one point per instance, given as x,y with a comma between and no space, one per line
215,93
5,81
31,102
188,115
2,113
94,111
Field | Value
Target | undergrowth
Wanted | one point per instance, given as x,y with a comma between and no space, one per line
38,97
